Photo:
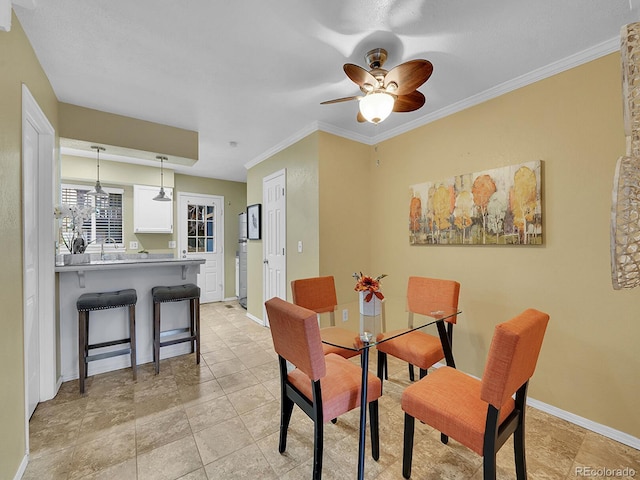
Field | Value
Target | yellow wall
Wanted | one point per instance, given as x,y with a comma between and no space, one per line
301,163
18,65
122,175
80,123
346,210
572,122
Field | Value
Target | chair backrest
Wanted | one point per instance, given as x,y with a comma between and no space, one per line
423,292
296,336
513,355
317,294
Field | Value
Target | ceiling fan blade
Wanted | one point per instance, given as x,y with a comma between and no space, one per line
359,75
410,102
360,118
338,100
408,76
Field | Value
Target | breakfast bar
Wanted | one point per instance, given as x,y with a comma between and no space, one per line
121,272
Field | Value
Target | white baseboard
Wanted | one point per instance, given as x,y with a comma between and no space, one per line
595,427
22,467
590,425
255,319
230,299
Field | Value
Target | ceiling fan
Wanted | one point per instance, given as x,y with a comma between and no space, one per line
386,91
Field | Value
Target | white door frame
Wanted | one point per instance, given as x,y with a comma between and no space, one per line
265,224
33,114
182,233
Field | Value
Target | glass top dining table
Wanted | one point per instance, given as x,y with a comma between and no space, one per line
346,327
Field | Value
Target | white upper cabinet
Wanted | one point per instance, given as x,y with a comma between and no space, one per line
150,216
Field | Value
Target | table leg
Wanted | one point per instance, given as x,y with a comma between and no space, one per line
446,346
363,408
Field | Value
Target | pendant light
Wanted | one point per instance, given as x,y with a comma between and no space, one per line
162,196
98,192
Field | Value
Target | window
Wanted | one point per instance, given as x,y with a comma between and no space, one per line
105,224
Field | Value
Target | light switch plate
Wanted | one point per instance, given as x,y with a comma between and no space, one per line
133,245
299,246
172,244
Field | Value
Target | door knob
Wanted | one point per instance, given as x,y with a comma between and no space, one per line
266,262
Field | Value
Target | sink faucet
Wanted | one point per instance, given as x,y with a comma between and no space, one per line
106,240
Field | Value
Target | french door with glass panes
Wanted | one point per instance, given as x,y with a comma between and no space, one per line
201,235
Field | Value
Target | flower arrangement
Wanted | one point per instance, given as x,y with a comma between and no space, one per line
366,283
71,233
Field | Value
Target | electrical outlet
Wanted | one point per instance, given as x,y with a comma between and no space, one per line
172,244
345,315
133,245
299,246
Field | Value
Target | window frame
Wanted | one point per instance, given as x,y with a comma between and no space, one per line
96,247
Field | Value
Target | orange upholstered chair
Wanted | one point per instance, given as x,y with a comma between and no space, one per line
419,348
319,294
481,414
323,386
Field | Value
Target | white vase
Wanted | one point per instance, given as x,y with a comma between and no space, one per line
372,308
77,258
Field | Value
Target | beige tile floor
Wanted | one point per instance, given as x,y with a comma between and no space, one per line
220,421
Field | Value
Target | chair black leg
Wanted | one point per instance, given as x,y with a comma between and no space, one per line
132,339
489,467
156,336
412,376
382,366
82,348
196,308
386,368
375,430
286,409
317,449
519,453
407,454
423,373
444,438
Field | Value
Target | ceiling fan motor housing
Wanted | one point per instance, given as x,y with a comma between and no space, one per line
375,58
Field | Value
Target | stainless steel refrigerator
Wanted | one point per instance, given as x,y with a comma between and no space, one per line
242,259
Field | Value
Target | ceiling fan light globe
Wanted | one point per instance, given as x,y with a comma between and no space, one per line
377,106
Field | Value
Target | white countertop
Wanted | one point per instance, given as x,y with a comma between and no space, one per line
128,263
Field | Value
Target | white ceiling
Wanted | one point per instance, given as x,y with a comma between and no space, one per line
255,71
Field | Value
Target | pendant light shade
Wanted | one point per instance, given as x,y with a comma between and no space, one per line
98,192
162,196
376,106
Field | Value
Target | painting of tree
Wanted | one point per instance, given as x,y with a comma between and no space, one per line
501,206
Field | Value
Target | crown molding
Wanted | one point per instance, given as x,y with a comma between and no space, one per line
593,53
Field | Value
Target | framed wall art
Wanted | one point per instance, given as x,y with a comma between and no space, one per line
254,227
502,206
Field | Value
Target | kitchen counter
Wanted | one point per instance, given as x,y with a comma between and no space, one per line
118,272
129,262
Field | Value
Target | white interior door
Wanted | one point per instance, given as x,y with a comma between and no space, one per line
38,181
30,258
275,236
201,235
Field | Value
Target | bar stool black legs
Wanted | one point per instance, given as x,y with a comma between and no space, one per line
176,293
102,301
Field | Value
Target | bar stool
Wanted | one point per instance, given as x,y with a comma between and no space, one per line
101,301
176,293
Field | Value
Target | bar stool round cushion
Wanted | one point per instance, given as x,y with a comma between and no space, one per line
104,300
175,293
